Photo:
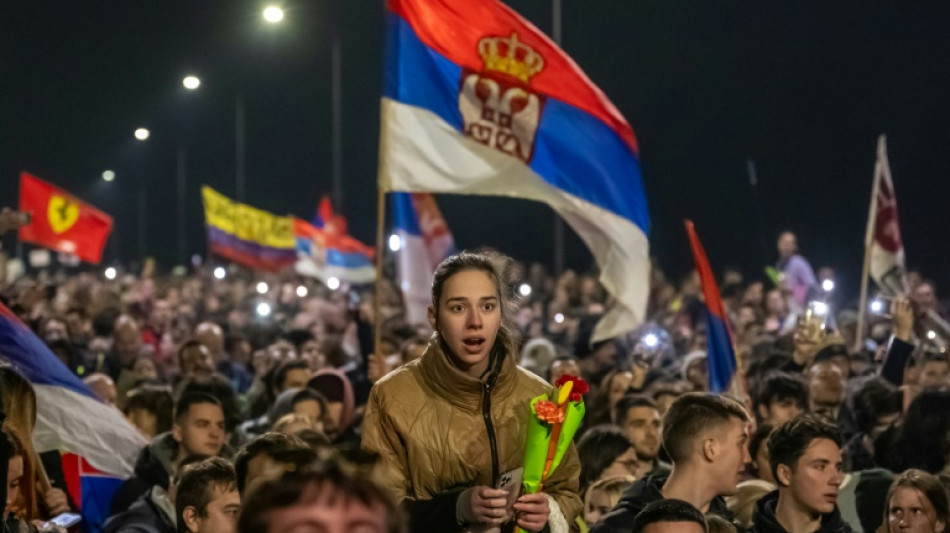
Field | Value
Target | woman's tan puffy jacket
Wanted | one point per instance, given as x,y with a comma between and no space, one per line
427,421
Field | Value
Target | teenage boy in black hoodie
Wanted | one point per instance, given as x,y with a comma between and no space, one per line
706,437
805,456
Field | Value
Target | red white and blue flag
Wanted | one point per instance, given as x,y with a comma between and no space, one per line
721,353
424,241
477,100
326,253
71,419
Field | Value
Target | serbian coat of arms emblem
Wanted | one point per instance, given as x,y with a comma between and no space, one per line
497,105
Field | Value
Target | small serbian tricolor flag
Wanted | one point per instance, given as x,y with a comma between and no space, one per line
477,100
248,235
325,253
71,419
424,240
721,353
62,222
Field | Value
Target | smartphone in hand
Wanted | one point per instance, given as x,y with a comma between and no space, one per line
511,481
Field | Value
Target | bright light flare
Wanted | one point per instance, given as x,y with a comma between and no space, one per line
262,288
931,334
263,309
273,14
108,175
142,134
524,289
220,273
395,243
819,308
333,283
828,285
191,82
877,306
650,340
559,318
110,273
301,291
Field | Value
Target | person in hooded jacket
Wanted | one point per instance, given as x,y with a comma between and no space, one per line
153,511
450,424
805,456
198,429
340,420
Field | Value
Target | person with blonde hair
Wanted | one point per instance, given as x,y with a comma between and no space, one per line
916,503
602,496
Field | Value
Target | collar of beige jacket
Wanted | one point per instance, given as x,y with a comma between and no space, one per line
456,387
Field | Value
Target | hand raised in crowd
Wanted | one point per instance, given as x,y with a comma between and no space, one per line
484,505
56,501
378,367
532,511
806,343
902,312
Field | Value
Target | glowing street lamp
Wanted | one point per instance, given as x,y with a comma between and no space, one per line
191,82
142,134
273,14
108,175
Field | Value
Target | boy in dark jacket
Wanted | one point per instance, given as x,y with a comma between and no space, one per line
805,456
706,436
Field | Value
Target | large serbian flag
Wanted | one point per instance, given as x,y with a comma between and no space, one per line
721,353
61,221
248,235
70,418
423,240
478,101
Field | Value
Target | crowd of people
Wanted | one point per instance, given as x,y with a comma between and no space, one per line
269,407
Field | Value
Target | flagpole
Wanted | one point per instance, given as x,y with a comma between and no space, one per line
558,221
868,239
377,300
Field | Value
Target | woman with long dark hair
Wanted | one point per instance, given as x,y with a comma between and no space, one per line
450,426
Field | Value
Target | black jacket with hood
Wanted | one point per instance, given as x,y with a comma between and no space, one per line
642,493
764,521
152,468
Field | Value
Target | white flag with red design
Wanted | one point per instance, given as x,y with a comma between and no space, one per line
883,236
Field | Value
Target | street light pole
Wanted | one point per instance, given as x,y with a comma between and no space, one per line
336,61
141,219
239,147
558,221
142,135
181,178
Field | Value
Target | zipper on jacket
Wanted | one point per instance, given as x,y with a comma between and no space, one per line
486,414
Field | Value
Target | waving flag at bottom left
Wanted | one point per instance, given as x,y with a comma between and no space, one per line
71,419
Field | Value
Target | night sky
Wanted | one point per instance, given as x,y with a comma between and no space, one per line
801,88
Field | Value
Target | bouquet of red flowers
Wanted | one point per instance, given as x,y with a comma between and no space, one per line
551,427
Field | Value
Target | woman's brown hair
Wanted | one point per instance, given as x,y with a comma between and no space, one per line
497,267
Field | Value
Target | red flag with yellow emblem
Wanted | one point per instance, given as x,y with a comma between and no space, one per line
62,222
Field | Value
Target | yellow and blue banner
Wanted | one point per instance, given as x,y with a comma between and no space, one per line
248,235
